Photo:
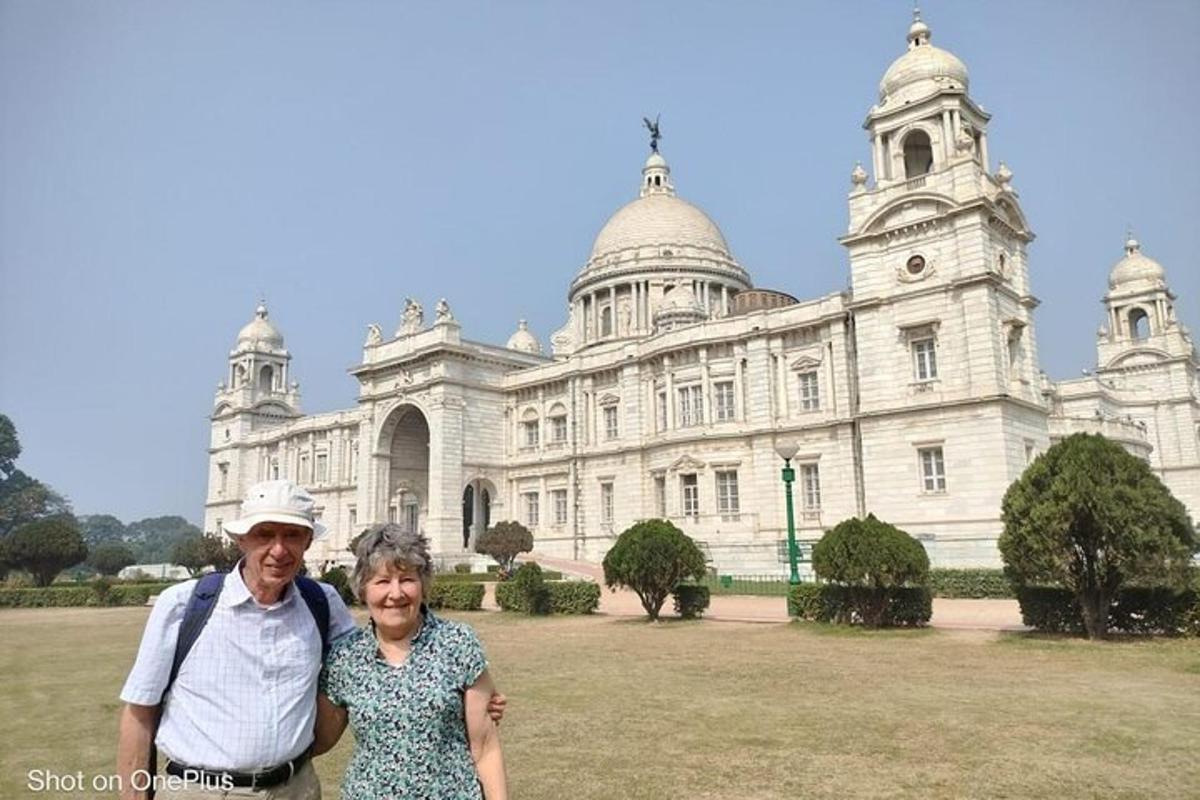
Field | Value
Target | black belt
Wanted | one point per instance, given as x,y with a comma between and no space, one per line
264,779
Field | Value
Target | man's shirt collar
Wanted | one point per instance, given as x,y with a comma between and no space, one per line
235,591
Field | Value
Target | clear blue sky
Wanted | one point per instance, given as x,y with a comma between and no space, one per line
161,164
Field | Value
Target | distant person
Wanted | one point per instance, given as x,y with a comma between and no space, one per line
414,687
225,680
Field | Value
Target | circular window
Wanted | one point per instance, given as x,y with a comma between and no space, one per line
916,265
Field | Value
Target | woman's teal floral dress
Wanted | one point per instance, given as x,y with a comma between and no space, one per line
409,729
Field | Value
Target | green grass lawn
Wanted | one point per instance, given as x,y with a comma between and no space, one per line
616,708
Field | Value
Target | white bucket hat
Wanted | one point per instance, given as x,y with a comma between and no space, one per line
276,501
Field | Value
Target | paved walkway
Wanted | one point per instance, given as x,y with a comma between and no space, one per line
984,615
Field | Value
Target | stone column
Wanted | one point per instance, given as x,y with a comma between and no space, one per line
739,384
612,309
983,150
877,158
670,379
947,135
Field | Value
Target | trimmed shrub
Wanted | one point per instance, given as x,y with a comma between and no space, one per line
905,606
339,579
529,582
488,577
573,597
504,541
652,558
565,597
871,561
459,596
970,583
691,601
1135,610
462,569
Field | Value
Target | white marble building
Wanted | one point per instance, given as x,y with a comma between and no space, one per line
915,395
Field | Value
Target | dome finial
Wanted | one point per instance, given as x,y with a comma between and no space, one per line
1132,245
261,310
918,32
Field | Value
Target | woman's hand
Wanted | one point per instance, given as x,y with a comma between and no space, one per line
331,723
496,706
480,699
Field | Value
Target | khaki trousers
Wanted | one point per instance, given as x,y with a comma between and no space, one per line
303,786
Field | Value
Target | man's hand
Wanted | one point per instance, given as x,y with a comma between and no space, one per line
496,706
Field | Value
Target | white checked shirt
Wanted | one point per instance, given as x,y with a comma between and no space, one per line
245,697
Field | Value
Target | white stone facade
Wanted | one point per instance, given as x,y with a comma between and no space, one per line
916,395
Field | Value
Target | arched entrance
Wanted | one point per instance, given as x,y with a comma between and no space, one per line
476,510
406,434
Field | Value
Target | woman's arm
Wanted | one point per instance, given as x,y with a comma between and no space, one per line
331,722
485,739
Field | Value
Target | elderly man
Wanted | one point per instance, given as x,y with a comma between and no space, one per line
238,714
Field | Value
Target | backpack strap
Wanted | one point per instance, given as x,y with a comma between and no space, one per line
318,606
195,616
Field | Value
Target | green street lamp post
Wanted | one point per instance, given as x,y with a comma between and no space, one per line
787,451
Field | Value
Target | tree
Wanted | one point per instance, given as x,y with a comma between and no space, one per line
651,558
504,541
871,558
98,529
110,558
22,498
1088,516
153,539
197,552
45,548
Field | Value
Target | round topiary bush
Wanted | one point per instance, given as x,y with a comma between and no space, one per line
873,560
652,558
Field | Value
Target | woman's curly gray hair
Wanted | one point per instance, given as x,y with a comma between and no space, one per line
389,545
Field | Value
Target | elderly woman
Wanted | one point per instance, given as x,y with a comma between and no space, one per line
406,682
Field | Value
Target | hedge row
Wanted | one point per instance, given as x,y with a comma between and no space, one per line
81,595
908,607
455,596
1136,609
486,577
970,583
566,597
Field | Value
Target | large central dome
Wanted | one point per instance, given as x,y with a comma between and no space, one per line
657,235
658,220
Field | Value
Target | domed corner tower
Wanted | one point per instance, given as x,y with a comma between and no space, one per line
651,248
255,394
947,366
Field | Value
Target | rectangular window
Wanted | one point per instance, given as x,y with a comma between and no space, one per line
606,502
530,433
810,391
662,411
531,509
660,496
353,514
558,429
691,406
610,422
1030,452
353,460
933,469
559,497
924,360
223,469
322,467
274,469
723,394
412,515
691,495
810,486
727,493
305,474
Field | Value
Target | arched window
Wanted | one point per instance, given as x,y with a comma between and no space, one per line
1139,324
918,154
266,378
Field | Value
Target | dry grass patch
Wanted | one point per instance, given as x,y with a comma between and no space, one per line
615,708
